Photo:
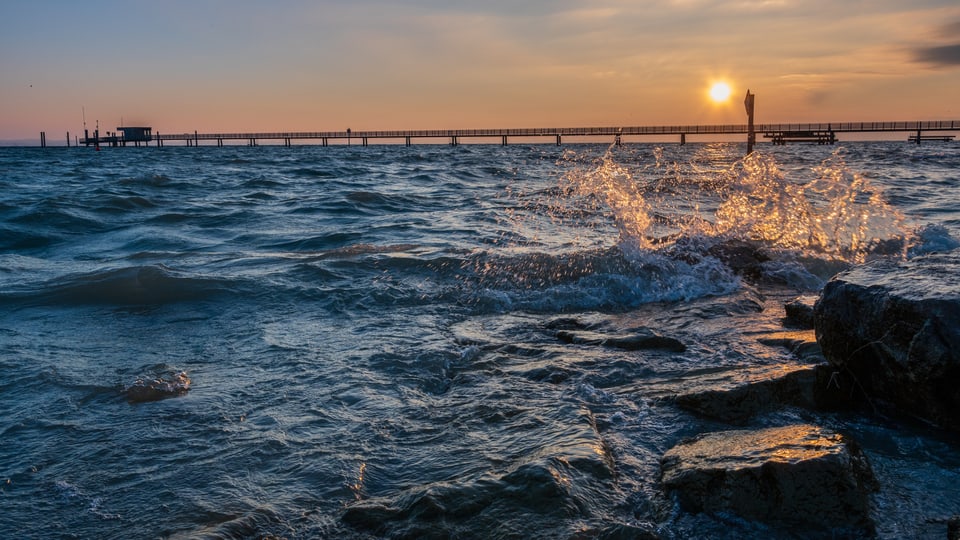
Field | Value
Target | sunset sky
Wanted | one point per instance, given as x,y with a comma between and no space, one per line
243,65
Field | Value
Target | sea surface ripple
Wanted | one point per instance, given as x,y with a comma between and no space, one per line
370,333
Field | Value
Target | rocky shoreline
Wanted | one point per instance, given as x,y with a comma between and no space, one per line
887,343
787,443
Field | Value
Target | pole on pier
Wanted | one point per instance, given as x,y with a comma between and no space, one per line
503,142
408,141
748,102
919,134
683,139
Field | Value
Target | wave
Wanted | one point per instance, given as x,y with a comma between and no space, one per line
686,234
829,212
128,286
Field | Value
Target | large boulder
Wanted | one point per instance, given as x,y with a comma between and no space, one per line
892,329
800,476
157,388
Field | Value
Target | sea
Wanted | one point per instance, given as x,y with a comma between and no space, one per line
362,342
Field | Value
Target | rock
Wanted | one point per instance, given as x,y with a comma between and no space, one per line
143,390
953,528
743,258
800,312
894,329
639,339
800,476
802,344
736,396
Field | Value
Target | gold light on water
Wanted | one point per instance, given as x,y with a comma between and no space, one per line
838,214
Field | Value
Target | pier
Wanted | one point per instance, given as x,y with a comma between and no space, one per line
818,133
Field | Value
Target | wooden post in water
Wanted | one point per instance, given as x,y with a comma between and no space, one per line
43,139
751,134
68,139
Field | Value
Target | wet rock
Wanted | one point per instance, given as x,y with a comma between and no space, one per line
800,312
534,496
742,257
736,396
803,345
800,476
619,531
893,328
527,500
143,390
639,339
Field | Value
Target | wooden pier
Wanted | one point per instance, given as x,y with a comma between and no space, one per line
820,137
939,138
820,133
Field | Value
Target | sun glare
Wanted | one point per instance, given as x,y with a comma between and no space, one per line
720,92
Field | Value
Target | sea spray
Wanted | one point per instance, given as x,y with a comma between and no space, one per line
622,229
838,214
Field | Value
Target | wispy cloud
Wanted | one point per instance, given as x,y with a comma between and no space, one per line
943,55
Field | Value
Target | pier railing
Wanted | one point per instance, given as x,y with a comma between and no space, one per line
455,135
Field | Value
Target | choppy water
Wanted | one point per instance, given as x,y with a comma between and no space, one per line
370,333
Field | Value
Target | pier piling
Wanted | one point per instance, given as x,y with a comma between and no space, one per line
748,103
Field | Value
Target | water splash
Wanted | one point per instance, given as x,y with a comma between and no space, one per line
611,184
838,214
623,228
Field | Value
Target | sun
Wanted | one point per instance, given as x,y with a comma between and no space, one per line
720,92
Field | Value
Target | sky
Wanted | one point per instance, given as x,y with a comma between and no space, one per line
301,65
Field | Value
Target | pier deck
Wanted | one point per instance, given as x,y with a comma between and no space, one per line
826,132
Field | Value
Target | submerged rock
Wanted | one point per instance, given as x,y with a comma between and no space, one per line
894,329
536,496
744,258
642,339
585,332
801,476
143,390
800,312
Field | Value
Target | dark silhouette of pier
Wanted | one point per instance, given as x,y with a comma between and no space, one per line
819,133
